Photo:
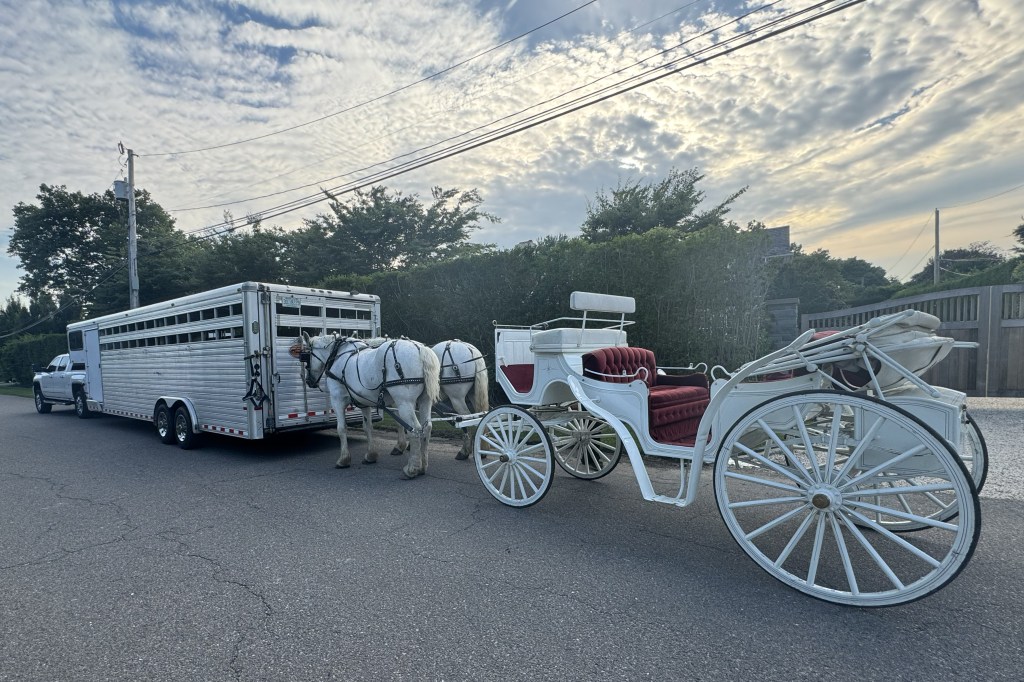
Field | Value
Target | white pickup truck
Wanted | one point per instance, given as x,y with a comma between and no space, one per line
60,382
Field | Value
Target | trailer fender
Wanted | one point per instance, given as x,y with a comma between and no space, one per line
172,402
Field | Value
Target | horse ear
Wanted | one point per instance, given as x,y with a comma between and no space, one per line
305,337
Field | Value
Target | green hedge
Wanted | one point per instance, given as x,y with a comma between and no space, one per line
700,296
18,355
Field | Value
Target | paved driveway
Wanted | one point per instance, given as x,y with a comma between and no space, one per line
124,559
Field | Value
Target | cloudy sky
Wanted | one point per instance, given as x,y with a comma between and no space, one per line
851,129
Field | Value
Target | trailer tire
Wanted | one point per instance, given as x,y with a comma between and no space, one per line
183,433
81,405
164,423
42,407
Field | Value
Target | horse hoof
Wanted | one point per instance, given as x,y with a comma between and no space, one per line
407,477
462,455
395,452
370,459
342,466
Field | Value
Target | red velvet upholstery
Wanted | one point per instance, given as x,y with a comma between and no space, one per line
520,376
675,403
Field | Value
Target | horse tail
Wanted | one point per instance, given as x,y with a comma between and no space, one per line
481,390
431,372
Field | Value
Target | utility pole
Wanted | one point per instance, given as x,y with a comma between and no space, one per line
935,268
133,265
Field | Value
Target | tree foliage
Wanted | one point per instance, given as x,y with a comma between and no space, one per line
956,263
380,230
822,282
636,208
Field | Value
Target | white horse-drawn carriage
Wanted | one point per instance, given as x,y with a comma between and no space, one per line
835,466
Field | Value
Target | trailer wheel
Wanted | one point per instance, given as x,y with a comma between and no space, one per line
81,406
164,428
42,407
183,428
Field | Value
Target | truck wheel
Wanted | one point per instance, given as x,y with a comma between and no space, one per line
183,429
164,427
42,407
81,406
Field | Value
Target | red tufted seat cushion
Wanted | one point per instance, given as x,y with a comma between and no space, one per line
675,404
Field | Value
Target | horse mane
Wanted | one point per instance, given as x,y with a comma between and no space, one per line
376,342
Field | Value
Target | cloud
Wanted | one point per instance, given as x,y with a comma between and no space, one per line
851,130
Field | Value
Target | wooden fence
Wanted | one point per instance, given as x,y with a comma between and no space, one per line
991,316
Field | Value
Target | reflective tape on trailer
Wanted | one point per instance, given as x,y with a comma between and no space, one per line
297,415
126,413
222,429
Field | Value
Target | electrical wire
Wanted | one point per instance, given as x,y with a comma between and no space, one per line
907,250
746,38
778,27
379,97
971,203
392,133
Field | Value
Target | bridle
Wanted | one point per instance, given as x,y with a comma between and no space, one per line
307,353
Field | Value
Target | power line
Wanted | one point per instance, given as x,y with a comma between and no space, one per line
971,203
379,97
421,122
778,27
927,222
672,67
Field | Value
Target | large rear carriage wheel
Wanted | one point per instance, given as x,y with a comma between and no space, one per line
813,485
513,456
586,447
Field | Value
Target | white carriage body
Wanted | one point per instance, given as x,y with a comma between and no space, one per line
835,435
539,366
221,353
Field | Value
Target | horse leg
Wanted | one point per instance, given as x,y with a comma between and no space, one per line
371,446
345,458
413,465
460,406
425,408
403,441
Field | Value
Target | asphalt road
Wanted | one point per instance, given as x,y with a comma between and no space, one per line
125,559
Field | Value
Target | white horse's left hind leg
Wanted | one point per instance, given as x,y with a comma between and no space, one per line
371,446
414,465
403,442
460,406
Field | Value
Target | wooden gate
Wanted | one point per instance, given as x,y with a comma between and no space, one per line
991,316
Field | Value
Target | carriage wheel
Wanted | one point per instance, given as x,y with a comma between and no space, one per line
810,483
513,456
586,447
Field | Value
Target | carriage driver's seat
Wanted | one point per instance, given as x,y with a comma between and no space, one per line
675,404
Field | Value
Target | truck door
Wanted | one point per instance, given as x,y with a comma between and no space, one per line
295,403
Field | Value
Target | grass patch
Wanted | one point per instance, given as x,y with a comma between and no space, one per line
19,391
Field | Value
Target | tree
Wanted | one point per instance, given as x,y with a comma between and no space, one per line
378,231
252,254
976,257
73,248
635,208
1018,232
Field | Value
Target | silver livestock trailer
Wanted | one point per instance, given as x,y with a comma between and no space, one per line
216,361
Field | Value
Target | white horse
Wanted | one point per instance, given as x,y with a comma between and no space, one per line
395,373
463,382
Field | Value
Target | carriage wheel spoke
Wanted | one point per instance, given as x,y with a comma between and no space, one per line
808,445
879,561
767,502
851,578
888,511
772,524
862,446
870,473
819,539
790,457
782,471
791,545
763,481
916,551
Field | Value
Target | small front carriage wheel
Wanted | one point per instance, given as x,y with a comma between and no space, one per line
586,447
42,407
183,428
812,486
513,456
974,452
164,428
